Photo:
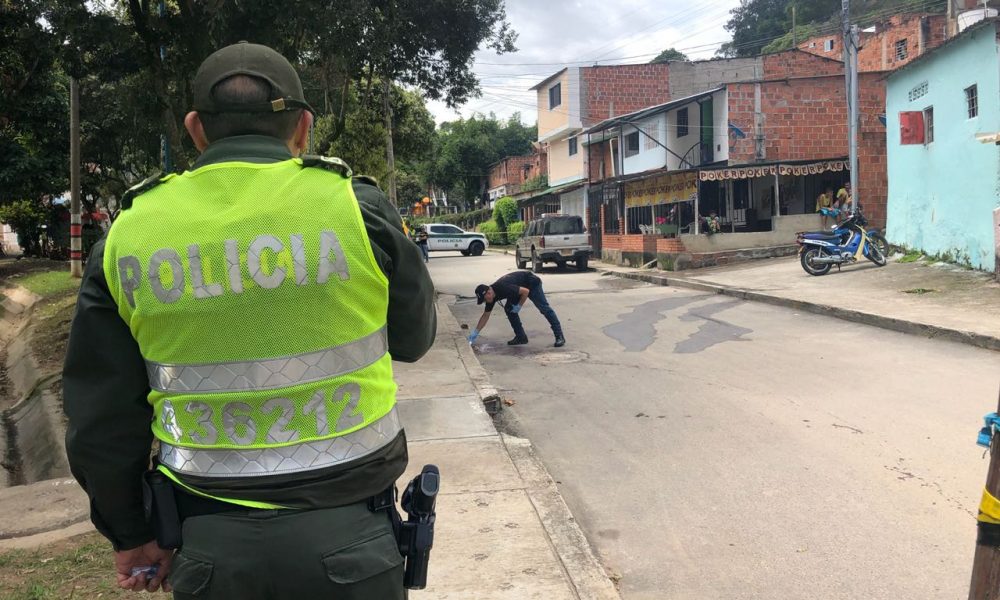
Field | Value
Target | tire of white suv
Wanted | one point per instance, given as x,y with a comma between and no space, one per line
476,248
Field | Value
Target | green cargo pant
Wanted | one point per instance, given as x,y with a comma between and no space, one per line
344,553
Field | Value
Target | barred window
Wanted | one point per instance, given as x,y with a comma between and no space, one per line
972,101
682,122
901,50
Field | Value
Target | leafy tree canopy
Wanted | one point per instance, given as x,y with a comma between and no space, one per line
668,55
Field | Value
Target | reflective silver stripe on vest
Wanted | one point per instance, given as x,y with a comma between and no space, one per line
288,459
268,374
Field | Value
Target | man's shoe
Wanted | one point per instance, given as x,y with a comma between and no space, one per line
518,341
560,341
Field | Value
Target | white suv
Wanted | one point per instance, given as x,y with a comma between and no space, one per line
441,236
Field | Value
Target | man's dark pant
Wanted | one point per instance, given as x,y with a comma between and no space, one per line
537,296
344,553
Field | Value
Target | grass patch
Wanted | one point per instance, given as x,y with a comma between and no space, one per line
80,567
911,256
52,317
47,283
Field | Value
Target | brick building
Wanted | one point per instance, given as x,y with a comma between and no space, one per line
508,176
888,45
755,152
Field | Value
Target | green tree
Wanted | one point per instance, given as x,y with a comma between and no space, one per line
668,55
466,148
753,24
34,130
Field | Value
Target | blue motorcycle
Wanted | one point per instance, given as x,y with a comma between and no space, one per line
848,243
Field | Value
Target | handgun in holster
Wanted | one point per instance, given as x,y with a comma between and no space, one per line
416,534
160,505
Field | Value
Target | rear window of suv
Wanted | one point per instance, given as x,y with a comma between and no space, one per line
564,226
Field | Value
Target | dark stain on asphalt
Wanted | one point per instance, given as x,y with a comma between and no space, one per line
636,330
712,331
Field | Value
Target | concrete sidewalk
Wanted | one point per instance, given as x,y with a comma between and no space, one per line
503,531
939,300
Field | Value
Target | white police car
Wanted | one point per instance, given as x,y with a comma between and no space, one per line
442,236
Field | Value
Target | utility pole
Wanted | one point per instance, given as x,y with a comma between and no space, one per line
795,42
851,40
168,165
75,243
986,563
390,157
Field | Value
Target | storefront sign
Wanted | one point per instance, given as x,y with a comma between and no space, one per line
665,189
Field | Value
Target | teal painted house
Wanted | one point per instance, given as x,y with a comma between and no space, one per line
943,119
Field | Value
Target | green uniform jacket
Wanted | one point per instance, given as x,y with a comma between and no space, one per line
105,382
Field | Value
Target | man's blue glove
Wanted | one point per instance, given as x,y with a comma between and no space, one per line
473,335
516,309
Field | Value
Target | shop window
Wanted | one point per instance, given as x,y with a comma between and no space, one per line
972,101
632,144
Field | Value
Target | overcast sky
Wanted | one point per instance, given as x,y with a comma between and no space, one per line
557,33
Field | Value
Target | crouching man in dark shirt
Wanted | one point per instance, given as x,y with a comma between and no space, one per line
514,289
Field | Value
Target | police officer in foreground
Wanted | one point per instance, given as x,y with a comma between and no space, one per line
245,313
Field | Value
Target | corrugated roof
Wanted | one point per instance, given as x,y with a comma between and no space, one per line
650,111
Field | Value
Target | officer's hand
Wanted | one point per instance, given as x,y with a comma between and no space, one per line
516,309
473,335
147,555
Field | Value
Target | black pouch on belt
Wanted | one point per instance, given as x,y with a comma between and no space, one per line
160,505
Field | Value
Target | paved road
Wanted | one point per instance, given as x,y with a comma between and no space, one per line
713,448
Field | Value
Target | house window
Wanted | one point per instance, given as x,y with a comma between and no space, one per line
682,122
555,96
632,144
919,91
572,146
828,45
972,101
928,125
901,52
652,136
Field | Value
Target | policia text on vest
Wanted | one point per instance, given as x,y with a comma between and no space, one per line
330,260
245,316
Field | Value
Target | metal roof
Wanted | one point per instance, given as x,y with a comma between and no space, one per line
650,111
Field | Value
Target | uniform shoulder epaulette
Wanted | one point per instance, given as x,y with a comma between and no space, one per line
141,188
330,163
367,179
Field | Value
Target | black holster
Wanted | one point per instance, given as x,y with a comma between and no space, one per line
416,534
159,502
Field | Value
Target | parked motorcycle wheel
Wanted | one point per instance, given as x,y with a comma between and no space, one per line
807,259
878,249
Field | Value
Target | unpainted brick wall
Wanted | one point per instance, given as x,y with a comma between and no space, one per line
878,51
806,119
609,91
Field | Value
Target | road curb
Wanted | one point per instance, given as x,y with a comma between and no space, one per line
584,571
480,378
581,565
891,323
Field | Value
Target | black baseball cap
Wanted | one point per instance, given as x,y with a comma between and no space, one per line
244,58
481,290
